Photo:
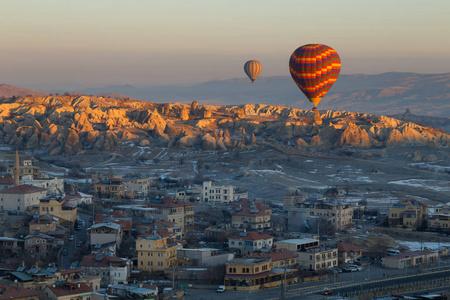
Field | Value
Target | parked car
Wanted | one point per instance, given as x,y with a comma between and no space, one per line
71,238
221,289
356,268
327,292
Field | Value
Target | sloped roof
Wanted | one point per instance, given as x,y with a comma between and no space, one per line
14,292
344,247
6,180
71,289
276,255
251,236
23,189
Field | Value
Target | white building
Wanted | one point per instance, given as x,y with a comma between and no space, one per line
103,233
220,193
79,198
248,242
20,197
52,185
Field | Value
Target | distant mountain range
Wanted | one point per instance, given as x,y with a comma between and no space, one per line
386,94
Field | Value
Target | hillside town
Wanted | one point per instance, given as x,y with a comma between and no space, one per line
116,237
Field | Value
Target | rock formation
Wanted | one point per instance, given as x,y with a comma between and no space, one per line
75,124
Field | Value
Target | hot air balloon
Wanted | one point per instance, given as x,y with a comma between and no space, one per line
314,68
252,68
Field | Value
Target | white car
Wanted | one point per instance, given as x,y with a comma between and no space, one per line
71,238
221,289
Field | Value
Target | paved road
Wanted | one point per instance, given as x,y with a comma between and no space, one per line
71,246
345,282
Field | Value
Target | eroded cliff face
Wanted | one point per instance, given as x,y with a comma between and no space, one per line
72,125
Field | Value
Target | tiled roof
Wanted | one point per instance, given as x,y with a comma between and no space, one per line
15,292
344,247
169,202
71,289
251,236
276,255
247,212
23,189
91,261
6,180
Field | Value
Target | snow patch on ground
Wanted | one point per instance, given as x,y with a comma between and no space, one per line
418,246
433,185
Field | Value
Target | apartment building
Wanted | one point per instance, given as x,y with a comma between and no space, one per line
256,273
57,206
20,197
155,253
309,213
311,256
173,210
409,214
104,233
248,242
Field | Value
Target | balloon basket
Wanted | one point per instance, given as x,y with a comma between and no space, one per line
314,108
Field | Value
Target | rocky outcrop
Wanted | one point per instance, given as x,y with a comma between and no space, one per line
71,125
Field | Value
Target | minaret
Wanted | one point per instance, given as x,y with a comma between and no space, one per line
16,172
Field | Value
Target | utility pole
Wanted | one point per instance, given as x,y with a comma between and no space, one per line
285,279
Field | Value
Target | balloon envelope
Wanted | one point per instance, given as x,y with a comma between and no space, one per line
252,68
314,68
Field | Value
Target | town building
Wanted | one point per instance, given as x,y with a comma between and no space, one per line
203,257
26,168
219,234
309,214
318,259
137,187
410,259
78,198
155,253
293,200
110,188
68,291
439,222
251,215
57,206
247,242
221,193
19,293
348,253
52,185
171,209
117,217
43,223
256,273
281,258
20,197
104,233
6,182
311,256
35,278
133,291
38,244
112,270
408,214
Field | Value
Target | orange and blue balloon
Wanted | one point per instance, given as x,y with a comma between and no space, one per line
315,68
252,68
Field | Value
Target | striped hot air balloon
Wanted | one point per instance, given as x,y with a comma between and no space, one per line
252,68
314,68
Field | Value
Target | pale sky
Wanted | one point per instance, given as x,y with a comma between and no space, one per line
137,42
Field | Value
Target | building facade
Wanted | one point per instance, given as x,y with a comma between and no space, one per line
155,253
20,197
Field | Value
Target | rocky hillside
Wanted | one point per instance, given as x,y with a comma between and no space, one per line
76,124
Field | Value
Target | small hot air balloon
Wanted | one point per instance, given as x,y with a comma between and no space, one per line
252,68
314,68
